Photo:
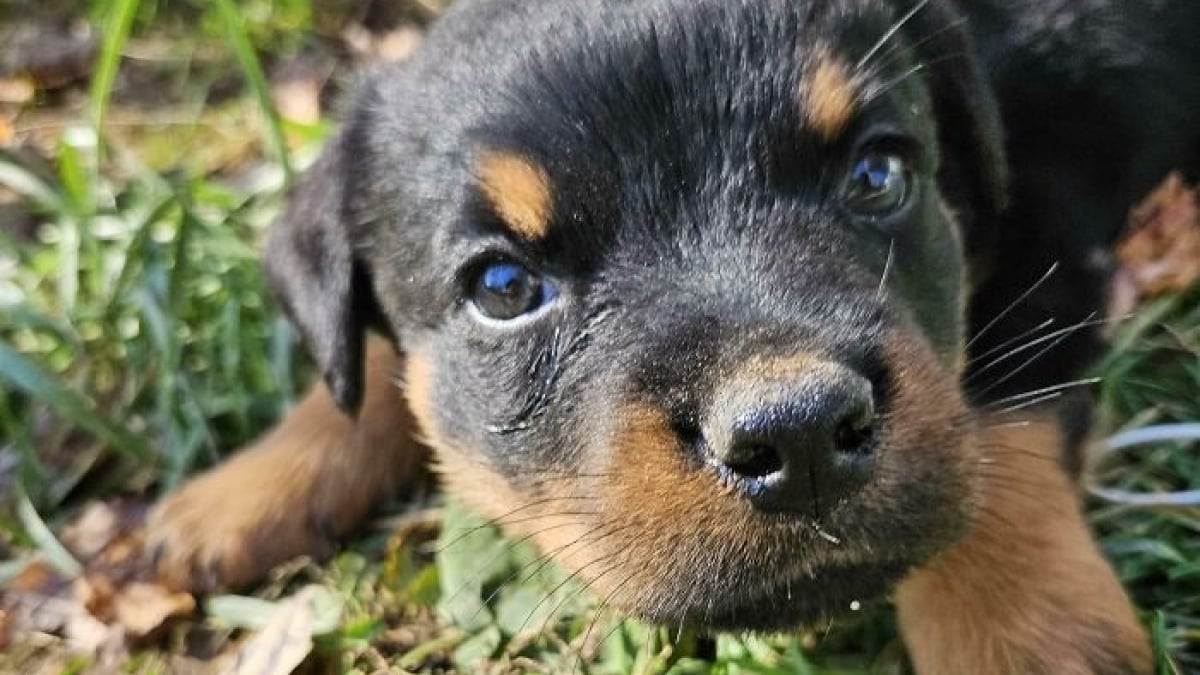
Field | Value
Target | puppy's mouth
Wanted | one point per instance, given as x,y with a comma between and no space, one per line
790,600
810,505
776,523
682,546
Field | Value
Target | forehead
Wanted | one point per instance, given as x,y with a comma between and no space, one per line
590,109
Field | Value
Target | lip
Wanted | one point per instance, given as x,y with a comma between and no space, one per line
793,601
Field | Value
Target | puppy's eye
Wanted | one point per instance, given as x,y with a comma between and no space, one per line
879,184
505,290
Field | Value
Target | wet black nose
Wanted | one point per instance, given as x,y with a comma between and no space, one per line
802,443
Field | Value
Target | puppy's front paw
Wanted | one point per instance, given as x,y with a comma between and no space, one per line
1026,591
308,481
230,526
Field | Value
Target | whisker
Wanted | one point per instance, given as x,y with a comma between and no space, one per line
1016,451
571,576
579,591
1047,390
562,603
1028,362
888,35
1012,341
599,612
524,519
884,59
1053,396
1013,305
1054,338
507,549
614,629
547,476
825,535
887,267
1011,425
1057,337
876,92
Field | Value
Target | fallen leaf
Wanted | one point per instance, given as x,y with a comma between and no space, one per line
397,44
111,601
1160,251
37,576
285,640
143,608
108,539
298,100
98,525
16,90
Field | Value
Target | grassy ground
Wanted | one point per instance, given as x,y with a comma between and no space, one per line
136,347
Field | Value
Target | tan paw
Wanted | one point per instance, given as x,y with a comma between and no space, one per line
232,525
308,481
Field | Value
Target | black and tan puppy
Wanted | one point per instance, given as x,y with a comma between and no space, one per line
699,289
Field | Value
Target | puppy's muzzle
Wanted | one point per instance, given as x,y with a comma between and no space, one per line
797,441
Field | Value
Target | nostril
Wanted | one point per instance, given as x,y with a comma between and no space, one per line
753,461
854,431
687,430
852,435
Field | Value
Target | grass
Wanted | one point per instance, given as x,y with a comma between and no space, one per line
136,346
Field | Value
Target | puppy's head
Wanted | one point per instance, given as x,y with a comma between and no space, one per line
679,283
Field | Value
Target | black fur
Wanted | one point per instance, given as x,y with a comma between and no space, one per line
696,224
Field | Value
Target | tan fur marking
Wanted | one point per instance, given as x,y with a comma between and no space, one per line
671,510
315,475
519,191
829,95
463,473
782,367
1026,591
547,515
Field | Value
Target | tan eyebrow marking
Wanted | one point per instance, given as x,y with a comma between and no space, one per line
829,94
518,190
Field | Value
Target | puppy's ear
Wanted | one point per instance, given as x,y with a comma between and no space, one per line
314,273
974,171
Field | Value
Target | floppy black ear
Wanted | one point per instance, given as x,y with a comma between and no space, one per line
974,170
312,269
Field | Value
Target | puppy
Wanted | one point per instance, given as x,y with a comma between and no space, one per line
722,303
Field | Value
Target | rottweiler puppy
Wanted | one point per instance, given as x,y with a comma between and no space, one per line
734,306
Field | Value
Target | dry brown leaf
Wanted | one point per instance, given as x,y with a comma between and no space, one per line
7,133
17,89
143,608
298,99
98,525
108,539
113,602
283,643
397,44
1160,251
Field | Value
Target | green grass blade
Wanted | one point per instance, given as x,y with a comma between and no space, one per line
252,69
23,374
116,32
56,554
28,184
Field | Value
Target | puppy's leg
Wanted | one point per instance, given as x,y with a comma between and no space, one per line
310,479
1026,592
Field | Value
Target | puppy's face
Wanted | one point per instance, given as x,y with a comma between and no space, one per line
680,287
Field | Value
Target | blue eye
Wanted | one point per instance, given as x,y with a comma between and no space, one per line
505,290
879,184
